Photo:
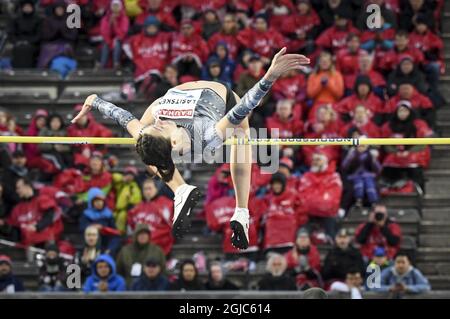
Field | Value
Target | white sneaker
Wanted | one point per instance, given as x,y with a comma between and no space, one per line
186,197
239,223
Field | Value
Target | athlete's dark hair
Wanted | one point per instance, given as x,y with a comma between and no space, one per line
157,151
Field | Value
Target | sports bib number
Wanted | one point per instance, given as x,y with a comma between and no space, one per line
177,104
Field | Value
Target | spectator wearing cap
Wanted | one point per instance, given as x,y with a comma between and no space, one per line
406,72
25,32
113,29
128,194
189,51
432,46
379,231
227,35
301,27
402,278
52,270
386,61
341,257
335,37
37,215
320,193
8,282
361,168
100,216
97,175
217,279
60,155
353,284
363,95
152,278
162,10
261,39
420,103
304,261
380,259
156,210
282,216
149,49
405,162
104,277
325,84
246,81
18,169
277,278
284,123
133,256
86,126
188,278
287,168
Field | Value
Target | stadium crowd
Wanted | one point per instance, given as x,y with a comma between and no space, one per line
364,81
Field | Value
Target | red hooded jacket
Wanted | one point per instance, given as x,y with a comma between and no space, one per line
334,38
429,43
377,239
293,127
373,103
194,45
118,29
263,43
295,23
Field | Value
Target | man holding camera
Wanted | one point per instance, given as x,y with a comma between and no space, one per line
379,231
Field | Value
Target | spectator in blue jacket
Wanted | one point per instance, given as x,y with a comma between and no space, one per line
104,277
402,278
152,278
97,214
8,282
220,59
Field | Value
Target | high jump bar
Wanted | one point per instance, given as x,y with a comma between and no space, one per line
238,141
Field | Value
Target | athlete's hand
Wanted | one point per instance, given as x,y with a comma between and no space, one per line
282,63
87,106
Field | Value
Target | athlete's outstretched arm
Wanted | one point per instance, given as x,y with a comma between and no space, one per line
123,117
281,63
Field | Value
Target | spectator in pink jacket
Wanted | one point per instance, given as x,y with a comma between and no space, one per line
113,28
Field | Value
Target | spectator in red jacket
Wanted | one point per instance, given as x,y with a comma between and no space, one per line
37,215
189,50
291,85
325,125
276,10
34,157
261,39
149,50
374,39
113,28
161,11
86,126
419,102
362,122
220,184
156,211
281,216
325,84
320,194
227,34
386,61
334,38
379,231
347,58
304,261
432,46
285,121
363,95
365,67
405,161
301,28
361,168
